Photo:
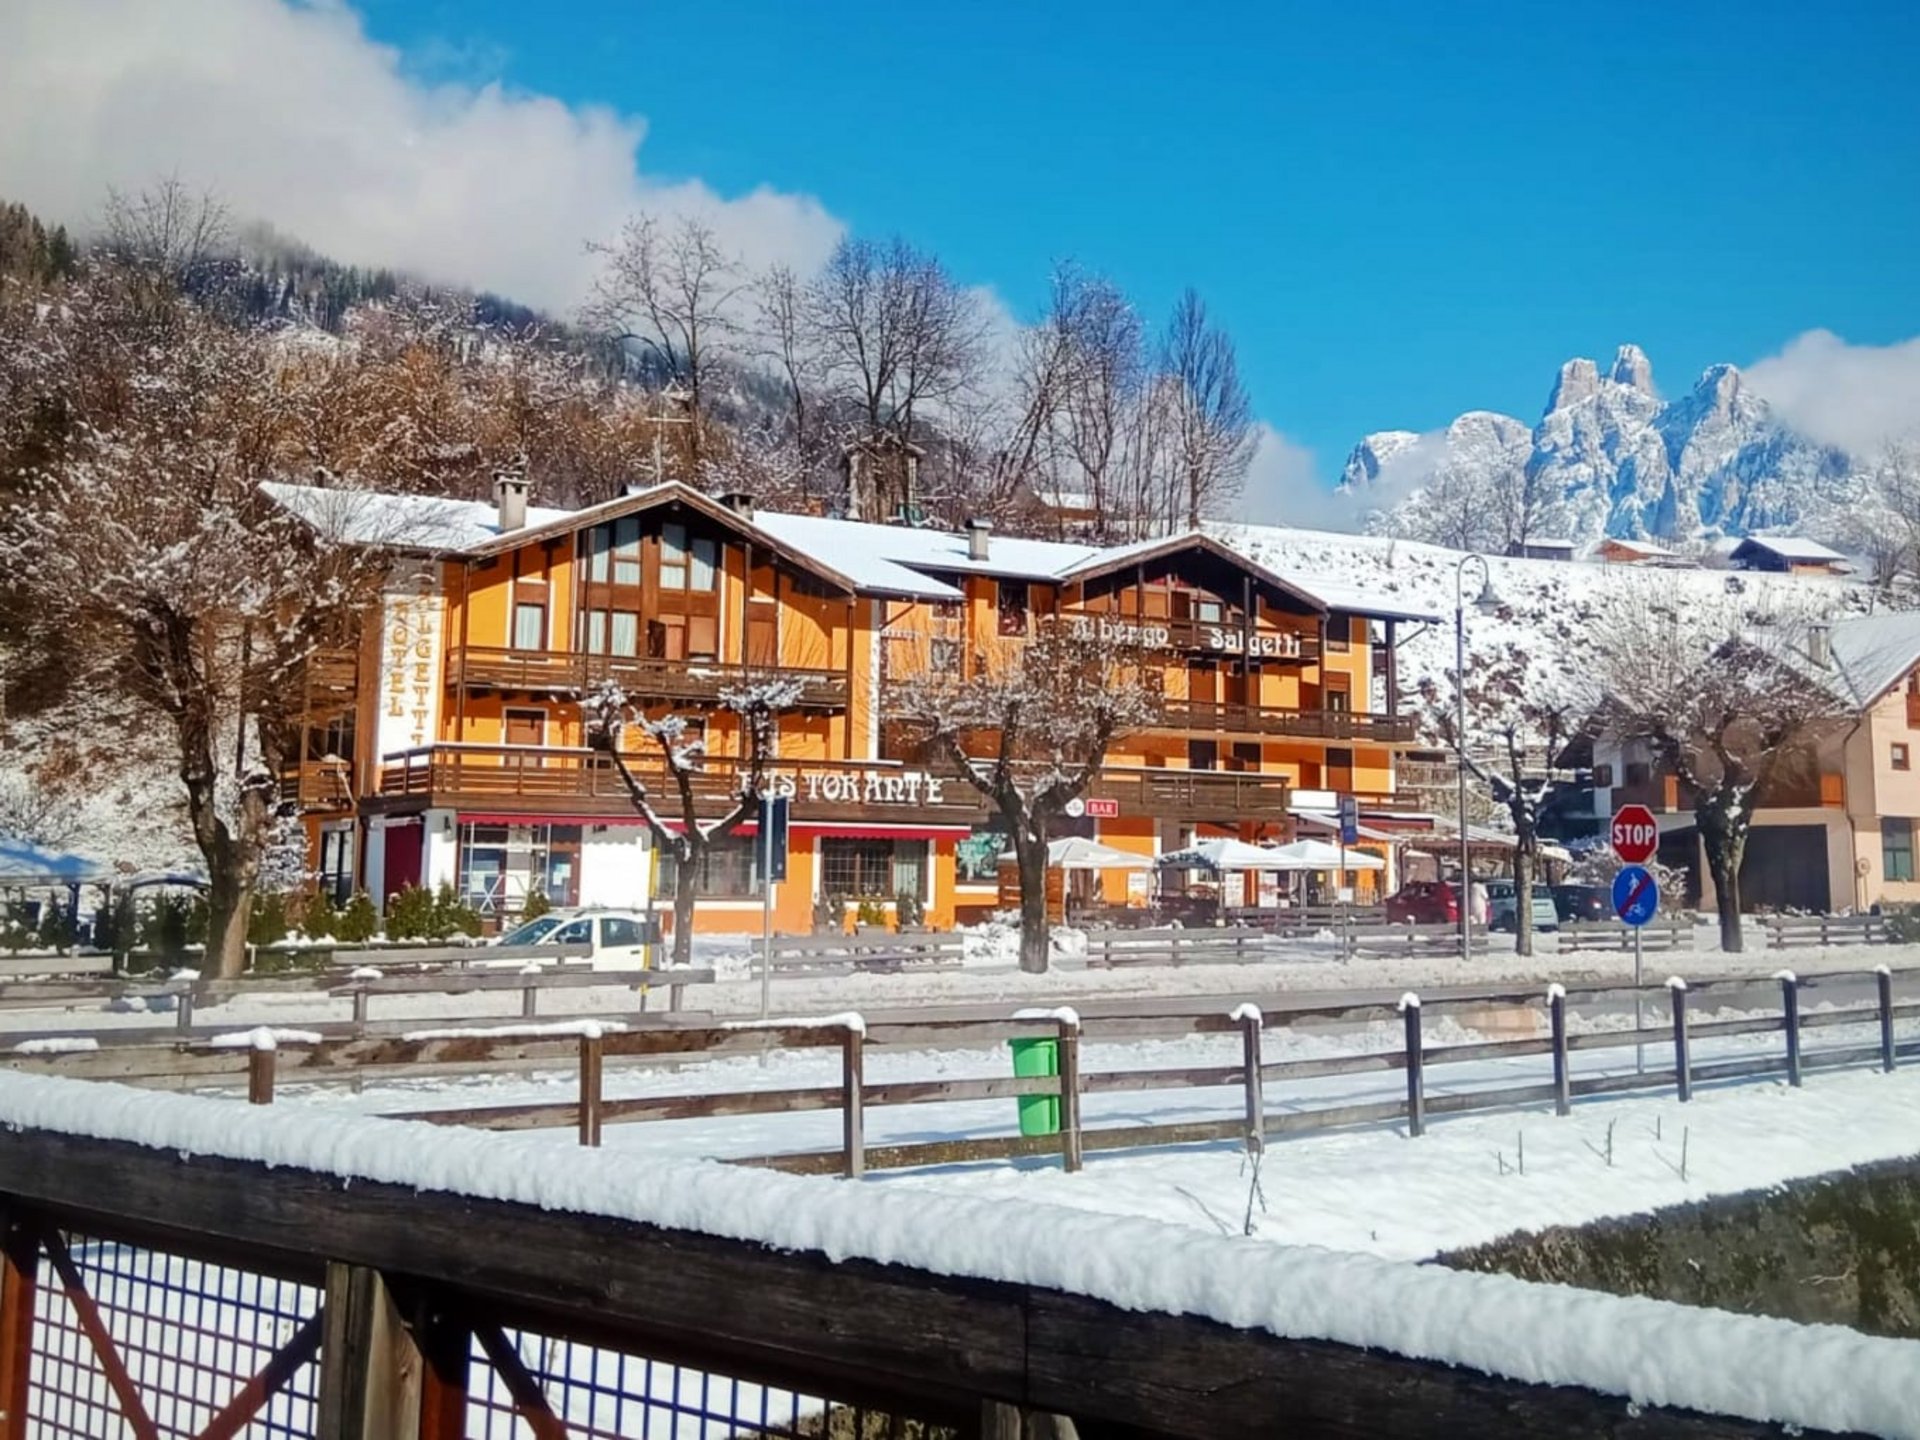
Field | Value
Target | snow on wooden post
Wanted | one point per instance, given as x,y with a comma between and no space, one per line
260,1067
1250,1024
1557,1017
1790,1021
1069,1090
1682,1064
1416,1074
853,1072
591,1055
1883,979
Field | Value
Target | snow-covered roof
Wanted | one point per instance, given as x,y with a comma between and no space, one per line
1637,547
923,555
402,522
1789,547
1874,652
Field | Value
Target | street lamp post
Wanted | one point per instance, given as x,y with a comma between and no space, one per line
1486,602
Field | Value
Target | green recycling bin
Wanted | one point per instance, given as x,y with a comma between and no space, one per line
1039,1114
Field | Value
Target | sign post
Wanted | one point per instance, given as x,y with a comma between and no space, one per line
1636,895
1349,833
773,868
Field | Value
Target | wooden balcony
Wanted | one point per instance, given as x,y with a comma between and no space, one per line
556,672
1207,717
318,786
551,781
1210,795
1225,641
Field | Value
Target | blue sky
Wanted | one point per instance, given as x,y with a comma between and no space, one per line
1402,210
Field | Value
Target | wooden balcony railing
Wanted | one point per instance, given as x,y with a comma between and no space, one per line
550,780
318,785
1217,717
558,672
538,780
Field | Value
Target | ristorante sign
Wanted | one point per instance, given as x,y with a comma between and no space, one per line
860,787
1160,635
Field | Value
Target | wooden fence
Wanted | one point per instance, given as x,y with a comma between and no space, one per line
1785,930
589,1051
1611,935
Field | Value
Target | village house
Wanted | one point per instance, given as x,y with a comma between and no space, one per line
449,747
1837,832
1787,555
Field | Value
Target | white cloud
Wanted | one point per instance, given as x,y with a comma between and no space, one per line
1856,397
1283,486
295,117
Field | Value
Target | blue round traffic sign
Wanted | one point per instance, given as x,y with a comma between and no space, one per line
1636,894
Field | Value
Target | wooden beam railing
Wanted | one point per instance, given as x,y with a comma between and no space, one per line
591,1048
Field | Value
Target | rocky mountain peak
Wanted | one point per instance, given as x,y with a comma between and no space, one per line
1632,368
1579,380
1610,457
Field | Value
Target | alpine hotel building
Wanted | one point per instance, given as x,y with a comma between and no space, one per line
449,747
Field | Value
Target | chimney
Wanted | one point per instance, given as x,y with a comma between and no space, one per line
740,502
510,492
1820,645
978,529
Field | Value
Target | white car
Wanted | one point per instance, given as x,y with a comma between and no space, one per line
616,939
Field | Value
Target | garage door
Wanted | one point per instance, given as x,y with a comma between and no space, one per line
1786,869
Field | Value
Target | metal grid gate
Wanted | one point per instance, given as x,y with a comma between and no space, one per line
131,1342
524,1386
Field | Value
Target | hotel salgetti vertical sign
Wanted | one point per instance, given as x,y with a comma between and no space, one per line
412,631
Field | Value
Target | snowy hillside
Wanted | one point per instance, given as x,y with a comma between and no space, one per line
1610,456
1547,605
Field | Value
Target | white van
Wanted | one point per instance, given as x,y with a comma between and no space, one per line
616,939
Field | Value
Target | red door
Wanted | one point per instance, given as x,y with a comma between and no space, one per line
403,860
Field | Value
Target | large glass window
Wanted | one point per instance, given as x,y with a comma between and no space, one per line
529,627
873,869
730,870
336,865
626,551
976,859
1896,848
500,865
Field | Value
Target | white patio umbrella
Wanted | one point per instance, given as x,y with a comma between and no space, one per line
1225,855
1075,852
1319,855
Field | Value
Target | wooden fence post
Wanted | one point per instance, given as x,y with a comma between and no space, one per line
1790,1019
1682,1062
369,1369
19,1281
853,1079
591,1047
183,1008
360,1009
1250,1026
1416,1076
446,1355
1557,1017
1070,1091
260,1068
1883,978
529,1002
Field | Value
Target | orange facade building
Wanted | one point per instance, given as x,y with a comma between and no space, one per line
449,747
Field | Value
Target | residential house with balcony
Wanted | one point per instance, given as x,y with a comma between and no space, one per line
1836,830
447,747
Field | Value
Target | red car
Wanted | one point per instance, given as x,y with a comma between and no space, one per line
1425,902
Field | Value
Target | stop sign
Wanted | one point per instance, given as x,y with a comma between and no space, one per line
1635,835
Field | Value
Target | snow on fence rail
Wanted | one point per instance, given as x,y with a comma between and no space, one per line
305,1058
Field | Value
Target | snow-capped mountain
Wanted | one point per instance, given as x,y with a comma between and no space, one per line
1610,456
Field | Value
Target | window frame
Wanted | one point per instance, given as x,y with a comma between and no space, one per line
1896,861
520,610
1900,755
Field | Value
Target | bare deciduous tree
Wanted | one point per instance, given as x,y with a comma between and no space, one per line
1213,418
896,333
1029,729
608,715
671,288
1515,730
180,590
1726,696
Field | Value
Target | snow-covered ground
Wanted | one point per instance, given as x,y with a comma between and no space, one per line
1064,1235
